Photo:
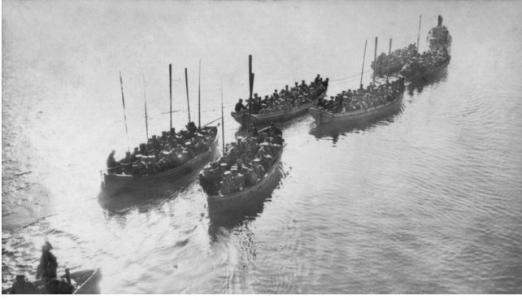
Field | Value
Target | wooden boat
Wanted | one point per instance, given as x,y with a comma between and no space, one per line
424,75
244,118
323,116
83,282
241,200
118,183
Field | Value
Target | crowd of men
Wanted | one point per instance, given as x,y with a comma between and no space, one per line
421,64
286,98
439,37
392,63
168,151
364,98
46,273
245,163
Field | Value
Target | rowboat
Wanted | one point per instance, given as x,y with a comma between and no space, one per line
114,184
244,118
242,200
83,282
410,76
323,116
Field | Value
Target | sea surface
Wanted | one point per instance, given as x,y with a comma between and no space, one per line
428,200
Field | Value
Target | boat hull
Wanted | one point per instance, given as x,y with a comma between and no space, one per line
114,184
243,200
279,116
426,75
322,116
86,283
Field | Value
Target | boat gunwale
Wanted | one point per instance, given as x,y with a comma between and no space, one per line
356,114
167,172
268,175
279,113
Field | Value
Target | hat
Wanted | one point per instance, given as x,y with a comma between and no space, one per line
47,245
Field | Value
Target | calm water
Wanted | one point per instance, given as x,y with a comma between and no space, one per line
428,201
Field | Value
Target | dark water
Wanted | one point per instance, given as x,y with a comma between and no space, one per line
428,201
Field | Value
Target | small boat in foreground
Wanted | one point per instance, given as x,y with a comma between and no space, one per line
83,282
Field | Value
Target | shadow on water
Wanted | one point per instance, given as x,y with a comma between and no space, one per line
419,84
145,198
243,130
334,130
240,212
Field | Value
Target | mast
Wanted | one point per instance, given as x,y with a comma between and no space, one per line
222,119
375,56
199,96
145,104
389,47
170,94
124,115
188,101
418,35
364,57
250,83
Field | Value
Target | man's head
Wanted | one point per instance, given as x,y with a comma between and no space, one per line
47,246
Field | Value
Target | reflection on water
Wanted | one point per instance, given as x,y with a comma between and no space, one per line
334,130
419,84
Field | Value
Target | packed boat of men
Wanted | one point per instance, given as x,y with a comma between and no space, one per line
410,63
387,64
359,104
282,104
425,64
163,153
247,163
439,36
172,155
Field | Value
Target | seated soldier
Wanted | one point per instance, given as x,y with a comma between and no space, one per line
22,286
239,106
113,167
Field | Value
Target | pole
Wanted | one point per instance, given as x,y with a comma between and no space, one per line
375,56
170,94
364,58
418,35
199,96
250,83
389,47
188,101
124,115
145,104
222,120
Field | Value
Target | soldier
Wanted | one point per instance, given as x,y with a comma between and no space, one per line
48,265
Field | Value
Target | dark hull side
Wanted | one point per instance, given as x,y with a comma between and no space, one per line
275,117
87,283
116,184
243,200
363,116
